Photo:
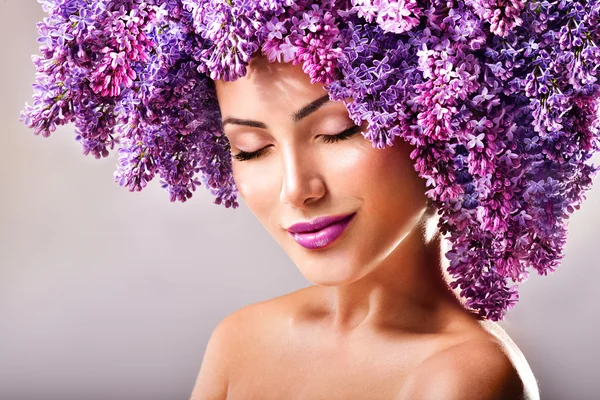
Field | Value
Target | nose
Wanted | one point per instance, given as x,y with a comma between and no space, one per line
302,182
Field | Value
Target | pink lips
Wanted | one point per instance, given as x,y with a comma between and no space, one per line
321,232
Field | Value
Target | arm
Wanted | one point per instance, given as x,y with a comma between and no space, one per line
475,370
213,379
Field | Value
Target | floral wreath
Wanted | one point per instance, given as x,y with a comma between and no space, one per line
499,98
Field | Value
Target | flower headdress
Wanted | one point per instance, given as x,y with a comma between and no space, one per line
499,98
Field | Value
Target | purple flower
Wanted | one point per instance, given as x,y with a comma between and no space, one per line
499,99
275,28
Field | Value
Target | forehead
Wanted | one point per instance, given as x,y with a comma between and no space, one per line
267,90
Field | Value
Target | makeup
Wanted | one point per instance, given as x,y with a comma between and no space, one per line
325,233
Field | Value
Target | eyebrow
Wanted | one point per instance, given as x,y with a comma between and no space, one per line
296,116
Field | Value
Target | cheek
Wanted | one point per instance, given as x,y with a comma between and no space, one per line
345,169
257,187
385,177
392,193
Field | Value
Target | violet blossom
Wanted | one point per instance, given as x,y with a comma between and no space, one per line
499,98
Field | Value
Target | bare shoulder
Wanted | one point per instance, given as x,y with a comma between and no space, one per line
238,337
213,378
221,353
479,368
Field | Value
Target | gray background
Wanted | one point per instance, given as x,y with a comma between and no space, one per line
107,294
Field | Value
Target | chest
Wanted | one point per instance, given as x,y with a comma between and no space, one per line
375,370
285,382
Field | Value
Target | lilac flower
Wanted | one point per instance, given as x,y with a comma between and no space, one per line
275,28
310,19
398,16
499,98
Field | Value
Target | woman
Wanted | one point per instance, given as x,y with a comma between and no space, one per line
480,117
380,321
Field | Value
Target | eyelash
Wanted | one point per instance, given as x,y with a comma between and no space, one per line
244,155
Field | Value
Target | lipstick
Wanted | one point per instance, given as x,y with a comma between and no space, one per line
321,232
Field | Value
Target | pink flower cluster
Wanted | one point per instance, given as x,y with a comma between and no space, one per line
499,97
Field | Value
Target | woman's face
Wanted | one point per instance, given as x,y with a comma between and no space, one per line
298,176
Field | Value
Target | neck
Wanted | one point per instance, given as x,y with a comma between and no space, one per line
407,291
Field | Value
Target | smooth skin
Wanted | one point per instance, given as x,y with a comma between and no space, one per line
380,321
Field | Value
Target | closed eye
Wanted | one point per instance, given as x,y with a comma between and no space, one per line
346,134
